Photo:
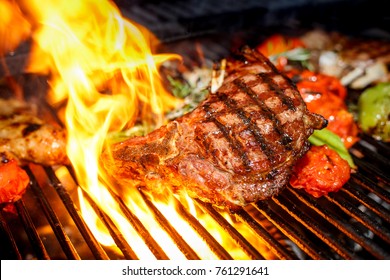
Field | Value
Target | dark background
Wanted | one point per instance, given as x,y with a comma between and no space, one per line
224,24
175,19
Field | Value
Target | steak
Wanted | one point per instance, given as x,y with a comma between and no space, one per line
237,147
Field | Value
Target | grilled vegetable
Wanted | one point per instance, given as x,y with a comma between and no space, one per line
320,171
281,50
191,92
313,82
374,111
278,44
325,95
333,141
13,179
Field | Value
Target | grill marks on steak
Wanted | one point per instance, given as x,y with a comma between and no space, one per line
254,126
238,146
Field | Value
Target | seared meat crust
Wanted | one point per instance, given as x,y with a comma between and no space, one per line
238,146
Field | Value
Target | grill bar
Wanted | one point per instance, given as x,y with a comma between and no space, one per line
274,245
230,230
31,231
310,223
372,187
164,223
361,217
115,233
9,248
55,223
217,249
366,166
345,227
288,229
355,195
150,242
373,151
90,239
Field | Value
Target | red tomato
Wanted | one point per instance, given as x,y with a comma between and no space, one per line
340,122
309,81
325,95
277,44
13,181
320,171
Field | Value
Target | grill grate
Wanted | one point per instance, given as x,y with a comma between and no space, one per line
350,224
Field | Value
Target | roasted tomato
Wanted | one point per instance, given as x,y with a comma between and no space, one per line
13,180
309,81
276,46
325,95
278,43
320,171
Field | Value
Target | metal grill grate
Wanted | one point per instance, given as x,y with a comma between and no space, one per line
351,224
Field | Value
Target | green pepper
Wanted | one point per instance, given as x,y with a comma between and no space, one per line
333,141
374,111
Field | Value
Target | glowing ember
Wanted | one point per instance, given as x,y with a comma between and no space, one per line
103,67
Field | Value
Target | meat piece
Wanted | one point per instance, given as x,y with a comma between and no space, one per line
238,146
28,138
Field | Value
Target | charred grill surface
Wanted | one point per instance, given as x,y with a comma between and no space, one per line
238,146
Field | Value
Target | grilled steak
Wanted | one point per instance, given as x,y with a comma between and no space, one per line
238,146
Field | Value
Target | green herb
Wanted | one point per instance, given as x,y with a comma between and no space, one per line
180,89
333,141
301,55
192,93
137,130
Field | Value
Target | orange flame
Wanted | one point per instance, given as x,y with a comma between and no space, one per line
103,66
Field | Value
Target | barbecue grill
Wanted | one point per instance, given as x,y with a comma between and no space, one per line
353,223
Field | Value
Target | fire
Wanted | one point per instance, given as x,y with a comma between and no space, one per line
103,66
14,27
105,69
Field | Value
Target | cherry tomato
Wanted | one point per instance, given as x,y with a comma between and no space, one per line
325,95
13,181
320,171
309,81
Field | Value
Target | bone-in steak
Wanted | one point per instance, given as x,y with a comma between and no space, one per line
238,146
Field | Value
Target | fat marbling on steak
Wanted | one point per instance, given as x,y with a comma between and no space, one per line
238,146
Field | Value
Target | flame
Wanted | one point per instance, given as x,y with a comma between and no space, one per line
102,65
14,26
106,70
